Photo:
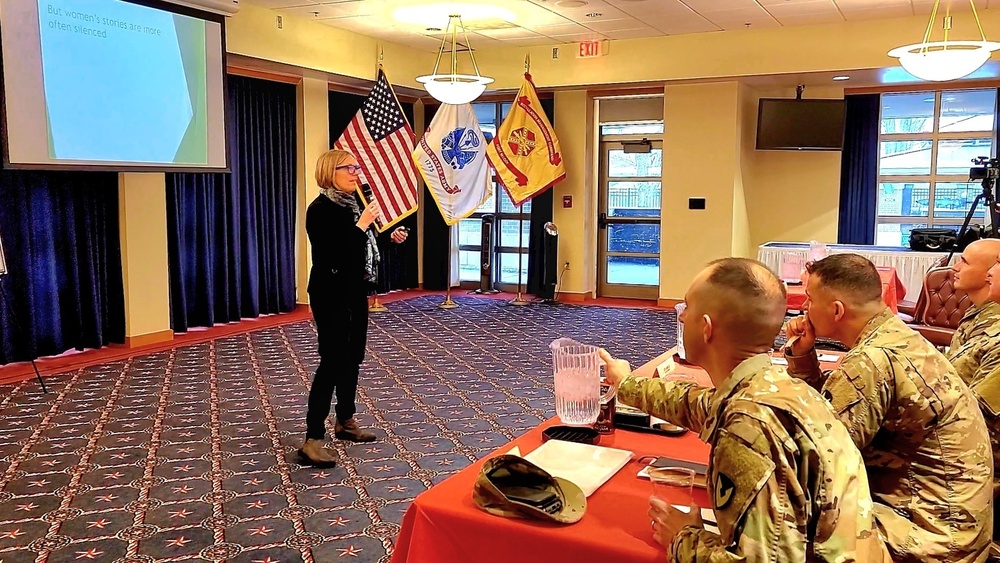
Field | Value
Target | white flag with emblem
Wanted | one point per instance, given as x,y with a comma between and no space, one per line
452,159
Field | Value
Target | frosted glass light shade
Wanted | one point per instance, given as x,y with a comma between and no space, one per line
454,88
940,61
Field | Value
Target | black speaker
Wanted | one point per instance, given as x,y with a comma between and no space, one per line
486,257
550,261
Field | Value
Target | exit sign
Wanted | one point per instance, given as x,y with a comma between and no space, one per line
591,49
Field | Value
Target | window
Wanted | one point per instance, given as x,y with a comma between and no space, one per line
507,248
927,141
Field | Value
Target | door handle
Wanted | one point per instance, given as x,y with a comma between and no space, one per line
602,220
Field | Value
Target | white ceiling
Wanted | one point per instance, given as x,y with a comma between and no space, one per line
544,22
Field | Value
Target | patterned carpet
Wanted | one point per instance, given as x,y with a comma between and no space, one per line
189,454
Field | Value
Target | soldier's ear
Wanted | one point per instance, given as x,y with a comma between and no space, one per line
839,310
708,329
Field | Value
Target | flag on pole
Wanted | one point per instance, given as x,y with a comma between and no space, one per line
525,151
381,139
451,157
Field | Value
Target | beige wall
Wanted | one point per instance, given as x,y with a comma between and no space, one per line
701,158
755,52
573,122
311,45
803,185
313,140
142,207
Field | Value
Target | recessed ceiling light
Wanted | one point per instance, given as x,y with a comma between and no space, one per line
436,15
842,77
571,3
594,15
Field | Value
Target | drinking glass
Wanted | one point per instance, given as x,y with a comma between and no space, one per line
673,485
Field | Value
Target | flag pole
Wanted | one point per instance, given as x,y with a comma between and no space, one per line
519,301
520,231
448,303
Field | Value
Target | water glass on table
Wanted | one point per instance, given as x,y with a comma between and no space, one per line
673,485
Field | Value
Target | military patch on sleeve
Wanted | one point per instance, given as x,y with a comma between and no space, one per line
739,473
724,488
988,392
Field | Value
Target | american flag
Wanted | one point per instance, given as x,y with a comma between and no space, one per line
382,140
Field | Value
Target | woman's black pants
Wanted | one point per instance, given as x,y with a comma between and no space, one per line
342,329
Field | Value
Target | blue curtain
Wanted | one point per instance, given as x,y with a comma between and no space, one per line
64,284
859,170
231,237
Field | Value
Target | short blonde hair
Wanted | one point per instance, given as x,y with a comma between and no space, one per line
326,166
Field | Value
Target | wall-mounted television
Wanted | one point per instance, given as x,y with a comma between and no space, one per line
790,124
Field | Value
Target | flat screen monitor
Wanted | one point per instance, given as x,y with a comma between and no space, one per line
788,124
112,85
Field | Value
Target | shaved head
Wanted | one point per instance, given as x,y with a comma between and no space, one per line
744,298
983,251
972,266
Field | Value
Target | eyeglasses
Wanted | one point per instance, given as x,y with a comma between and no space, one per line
351,168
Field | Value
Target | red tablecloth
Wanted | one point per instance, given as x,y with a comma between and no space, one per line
443,524
893,290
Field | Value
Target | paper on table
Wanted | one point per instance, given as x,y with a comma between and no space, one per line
587,466
707,515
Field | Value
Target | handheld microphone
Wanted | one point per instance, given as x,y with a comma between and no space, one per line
370,197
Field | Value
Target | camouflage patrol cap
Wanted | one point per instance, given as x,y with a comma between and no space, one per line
515,476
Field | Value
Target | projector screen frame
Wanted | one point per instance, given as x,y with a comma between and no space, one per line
107,167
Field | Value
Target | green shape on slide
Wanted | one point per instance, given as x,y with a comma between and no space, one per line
48,133
191,41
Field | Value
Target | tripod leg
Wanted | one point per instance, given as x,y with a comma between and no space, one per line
38,376
965,225
17,323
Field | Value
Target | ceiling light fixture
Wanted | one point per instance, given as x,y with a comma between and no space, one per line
454,88
594,15
945,60
842,77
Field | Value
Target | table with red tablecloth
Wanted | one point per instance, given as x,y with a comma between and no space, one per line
893,291
444,525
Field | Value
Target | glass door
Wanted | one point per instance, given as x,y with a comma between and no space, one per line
629,217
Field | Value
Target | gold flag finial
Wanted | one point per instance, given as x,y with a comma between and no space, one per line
527,64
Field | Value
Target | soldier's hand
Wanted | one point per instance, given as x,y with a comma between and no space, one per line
801,335
616,370
668,521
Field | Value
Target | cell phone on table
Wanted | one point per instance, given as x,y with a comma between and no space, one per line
698,468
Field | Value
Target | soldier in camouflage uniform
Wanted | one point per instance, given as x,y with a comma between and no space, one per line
786,481
975,348
972,352
917,424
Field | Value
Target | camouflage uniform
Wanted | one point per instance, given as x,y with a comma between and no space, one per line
923,439
975,353
970,344
787,483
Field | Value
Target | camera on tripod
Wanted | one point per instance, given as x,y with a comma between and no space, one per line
986,169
